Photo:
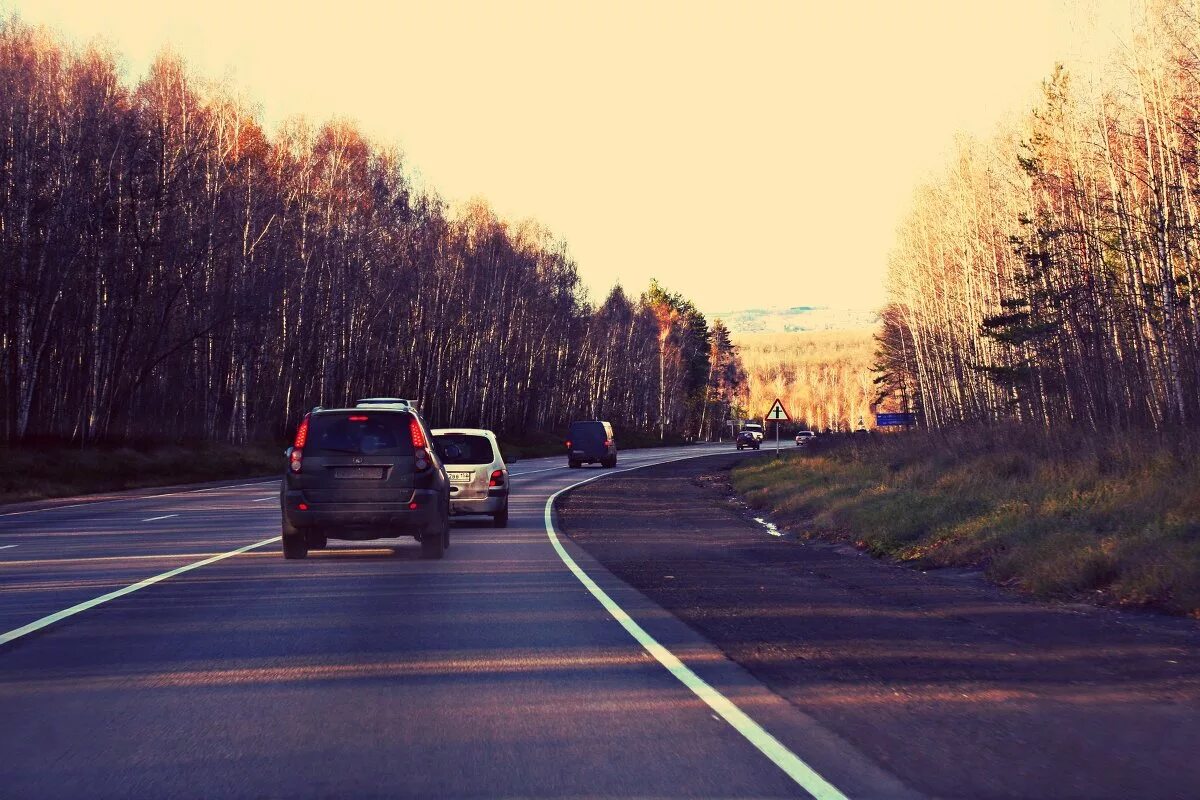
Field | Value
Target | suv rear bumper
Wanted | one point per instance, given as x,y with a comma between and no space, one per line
372,520
479,505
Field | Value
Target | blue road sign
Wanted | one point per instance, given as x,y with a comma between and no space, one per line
886,420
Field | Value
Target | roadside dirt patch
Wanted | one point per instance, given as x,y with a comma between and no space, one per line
958,688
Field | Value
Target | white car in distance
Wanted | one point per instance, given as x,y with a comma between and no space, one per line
754,428
478,476
804,438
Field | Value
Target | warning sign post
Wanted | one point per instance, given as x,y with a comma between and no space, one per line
778,414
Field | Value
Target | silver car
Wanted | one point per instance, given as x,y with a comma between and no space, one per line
478,476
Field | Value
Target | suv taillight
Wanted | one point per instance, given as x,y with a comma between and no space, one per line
568,444
296,457
497,478
608,442
420,447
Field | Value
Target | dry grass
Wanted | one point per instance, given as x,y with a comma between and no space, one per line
34,473
1112,520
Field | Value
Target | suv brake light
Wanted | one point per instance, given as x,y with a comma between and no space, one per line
568,443
420,447
608,442
301,433
497,478
296,457
418,436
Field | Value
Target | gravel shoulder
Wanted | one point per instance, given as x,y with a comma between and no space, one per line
957,688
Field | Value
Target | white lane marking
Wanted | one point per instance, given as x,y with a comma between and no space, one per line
535,471
795,768
156,519
263,499
131,499
37,625
6,546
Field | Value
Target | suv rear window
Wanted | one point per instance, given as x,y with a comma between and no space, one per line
464,448
366,433
589,432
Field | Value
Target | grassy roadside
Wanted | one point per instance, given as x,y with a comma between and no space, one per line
35,473
1111,520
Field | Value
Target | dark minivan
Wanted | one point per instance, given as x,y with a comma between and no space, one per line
590,442
364,473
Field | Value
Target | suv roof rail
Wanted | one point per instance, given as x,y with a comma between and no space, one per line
383,401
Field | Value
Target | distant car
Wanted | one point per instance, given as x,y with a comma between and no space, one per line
478,476
364,473
591,442
748,439
803,438
754,428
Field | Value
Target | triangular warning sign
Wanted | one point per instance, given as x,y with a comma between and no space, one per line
777,412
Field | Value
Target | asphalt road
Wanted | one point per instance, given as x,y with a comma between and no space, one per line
367,671
959,688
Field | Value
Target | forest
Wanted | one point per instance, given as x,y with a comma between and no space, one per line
174,271
824,378
1051,274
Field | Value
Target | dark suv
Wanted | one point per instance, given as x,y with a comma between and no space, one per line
591,441
364,473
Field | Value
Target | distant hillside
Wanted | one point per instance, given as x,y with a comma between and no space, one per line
796,319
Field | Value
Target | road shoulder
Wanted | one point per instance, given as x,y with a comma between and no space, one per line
956,688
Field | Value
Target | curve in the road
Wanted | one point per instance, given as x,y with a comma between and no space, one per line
795,767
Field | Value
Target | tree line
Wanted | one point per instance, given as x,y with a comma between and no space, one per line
823,378
174,270
1052,274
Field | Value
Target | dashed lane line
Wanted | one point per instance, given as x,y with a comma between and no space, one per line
132,499
778,753
156,519
58,616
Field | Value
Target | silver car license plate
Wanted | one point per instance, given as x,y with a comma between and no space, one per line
460,477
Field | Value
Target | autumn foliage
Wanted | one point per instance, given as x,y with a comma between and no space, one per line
173,270
1051,275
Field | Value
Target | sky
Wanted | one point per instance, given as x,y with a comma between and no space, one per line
745,154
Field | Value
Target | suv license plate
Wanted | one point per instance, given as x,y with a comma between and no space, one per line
460,477
358,473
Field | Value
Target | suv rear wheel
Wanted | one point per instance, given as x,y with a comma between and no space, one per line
295,547
433,542
500,518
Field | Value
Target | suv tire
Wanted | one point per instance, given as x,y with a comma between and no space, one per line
500,518
433,541
574,464
295,547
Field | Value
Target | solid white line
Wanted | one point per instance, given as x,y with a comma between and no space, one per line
6,546
131,499
57,616
795,768
156,519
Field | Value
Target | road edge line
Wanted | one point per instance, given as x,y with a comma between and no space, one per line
777,752
57,616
